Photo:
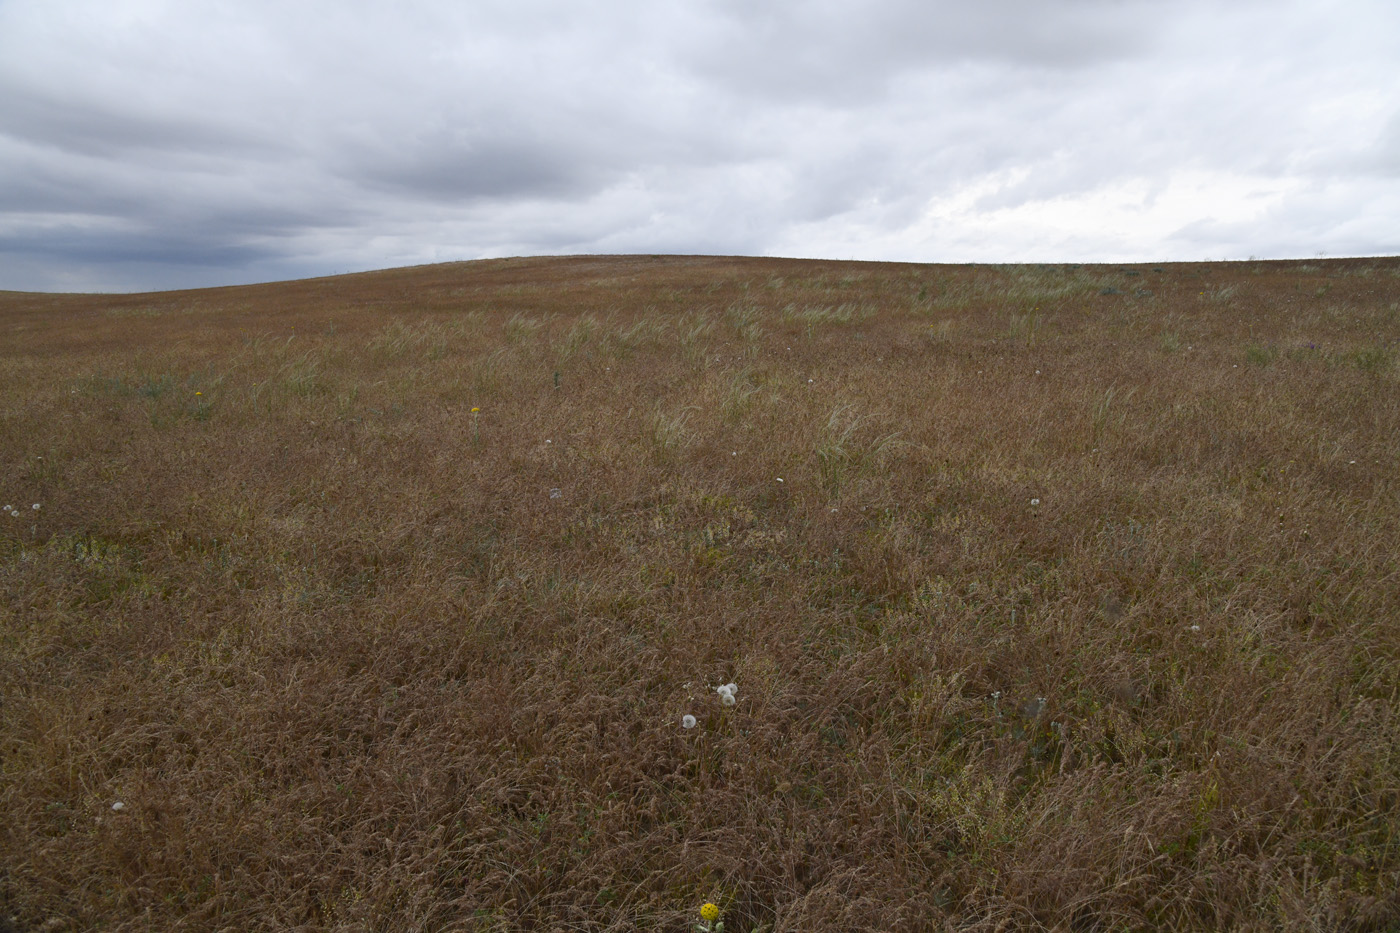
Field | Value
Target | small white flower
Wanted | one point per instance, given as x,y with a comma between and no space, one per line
1035,502
548,441
1037,372
687,721
118,805
1195,628
36,506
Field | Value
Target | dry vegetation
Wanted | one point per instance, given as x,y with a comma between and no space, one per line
1076,606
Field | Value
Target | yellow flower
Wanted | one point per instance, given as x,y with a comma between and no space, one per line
709,913
475,410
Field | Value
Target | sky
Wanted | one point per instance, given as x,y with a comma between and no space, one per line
156,144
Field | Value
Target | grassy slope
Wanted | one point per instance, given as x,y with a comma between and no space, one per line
350,663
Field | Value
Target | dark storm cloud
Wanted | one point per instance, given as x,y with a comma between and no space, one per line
464,167
145,143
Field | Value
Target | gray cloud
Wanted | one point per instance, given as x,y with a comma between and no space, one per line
145,144
462,169
845,53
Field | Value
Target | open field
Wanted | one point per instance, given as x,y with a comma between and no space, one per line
1056,597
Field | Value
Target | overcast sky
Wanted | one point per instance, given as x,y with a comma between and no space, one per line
152,144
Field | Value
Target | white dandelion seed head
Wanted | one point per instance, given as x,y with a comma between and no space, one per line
1195,628
727,699
687,721
732,688
1035,502
35,506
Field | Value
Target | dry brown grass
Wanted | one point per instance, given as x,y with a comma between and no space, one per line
349,665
